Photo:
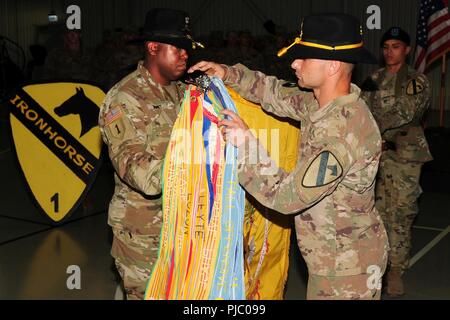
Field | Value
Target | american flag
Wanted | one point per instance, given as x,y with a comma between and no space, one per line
433,32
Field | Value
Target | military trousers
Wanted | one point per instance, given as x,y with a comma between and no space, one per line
134,257
397,191
353,287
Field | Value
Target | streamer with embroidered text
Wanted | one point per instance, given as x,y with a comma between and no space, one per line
201,243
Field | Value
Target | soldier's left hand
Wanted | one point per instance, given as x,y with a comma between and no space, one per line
234,129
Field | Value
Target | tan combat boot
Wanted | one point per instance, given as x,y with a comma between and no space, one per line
395,286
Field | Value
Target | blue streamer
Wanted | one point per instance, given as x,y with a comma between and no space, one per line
228,280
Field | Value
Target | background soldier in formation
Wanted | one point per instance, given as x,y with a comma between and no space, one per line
398,97
68,61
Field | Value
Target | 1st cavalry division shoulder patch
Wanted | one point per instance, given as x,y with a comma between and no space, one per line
324,169
57,142
414,87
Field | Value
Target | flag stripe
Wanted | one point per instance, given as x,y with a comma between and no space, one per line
420,60
433,32
438,51
438,27
441,36
443,41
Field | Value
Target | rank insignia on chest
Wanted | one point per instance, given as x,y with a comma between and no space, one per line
324,169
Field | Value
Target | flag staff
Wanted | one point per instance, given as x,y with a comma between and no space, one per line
442,91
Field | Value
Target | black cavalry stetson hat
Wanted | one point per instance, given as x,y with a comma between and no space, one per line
330,36
169,26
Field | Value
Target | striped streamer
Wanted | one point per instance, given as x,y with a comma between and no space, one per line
201,243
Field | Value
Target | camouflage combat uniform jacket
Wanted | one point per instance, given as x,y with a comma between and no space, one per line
62,64
339,231
398,103
136,121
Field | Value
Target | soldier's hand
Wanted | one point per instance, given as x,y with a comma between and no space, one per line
234,129
210,68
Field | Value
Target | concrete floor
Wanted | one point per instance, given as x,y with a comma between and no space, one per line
428,278
35,256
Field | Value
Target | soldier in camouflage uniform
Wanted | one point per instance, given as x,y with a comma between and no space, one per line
398,97
127,53
68,61
136,120
116,57
340,233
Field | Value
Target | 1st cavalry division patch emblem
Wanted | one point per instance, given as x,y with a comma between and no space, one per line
58,142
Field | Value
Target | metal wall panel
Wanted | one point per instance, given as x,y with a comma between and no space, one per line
20,19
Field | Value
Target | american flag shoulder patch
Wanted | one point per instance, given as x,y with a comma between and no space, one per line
113,115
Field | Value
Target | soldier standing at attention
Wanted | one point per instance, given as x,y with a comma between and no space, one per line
339,231
68,61
136,121
398,97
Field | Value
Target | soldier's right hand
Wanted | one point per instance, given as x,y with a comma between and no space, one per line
210,68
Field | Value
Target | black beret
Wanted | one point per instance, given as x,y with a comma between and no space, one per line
396,33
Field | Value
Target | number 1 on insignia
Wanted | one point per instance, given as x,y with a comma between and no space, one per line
117,128
55,200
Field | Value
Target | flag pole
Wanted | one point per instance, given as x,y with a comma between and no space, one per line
442,91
